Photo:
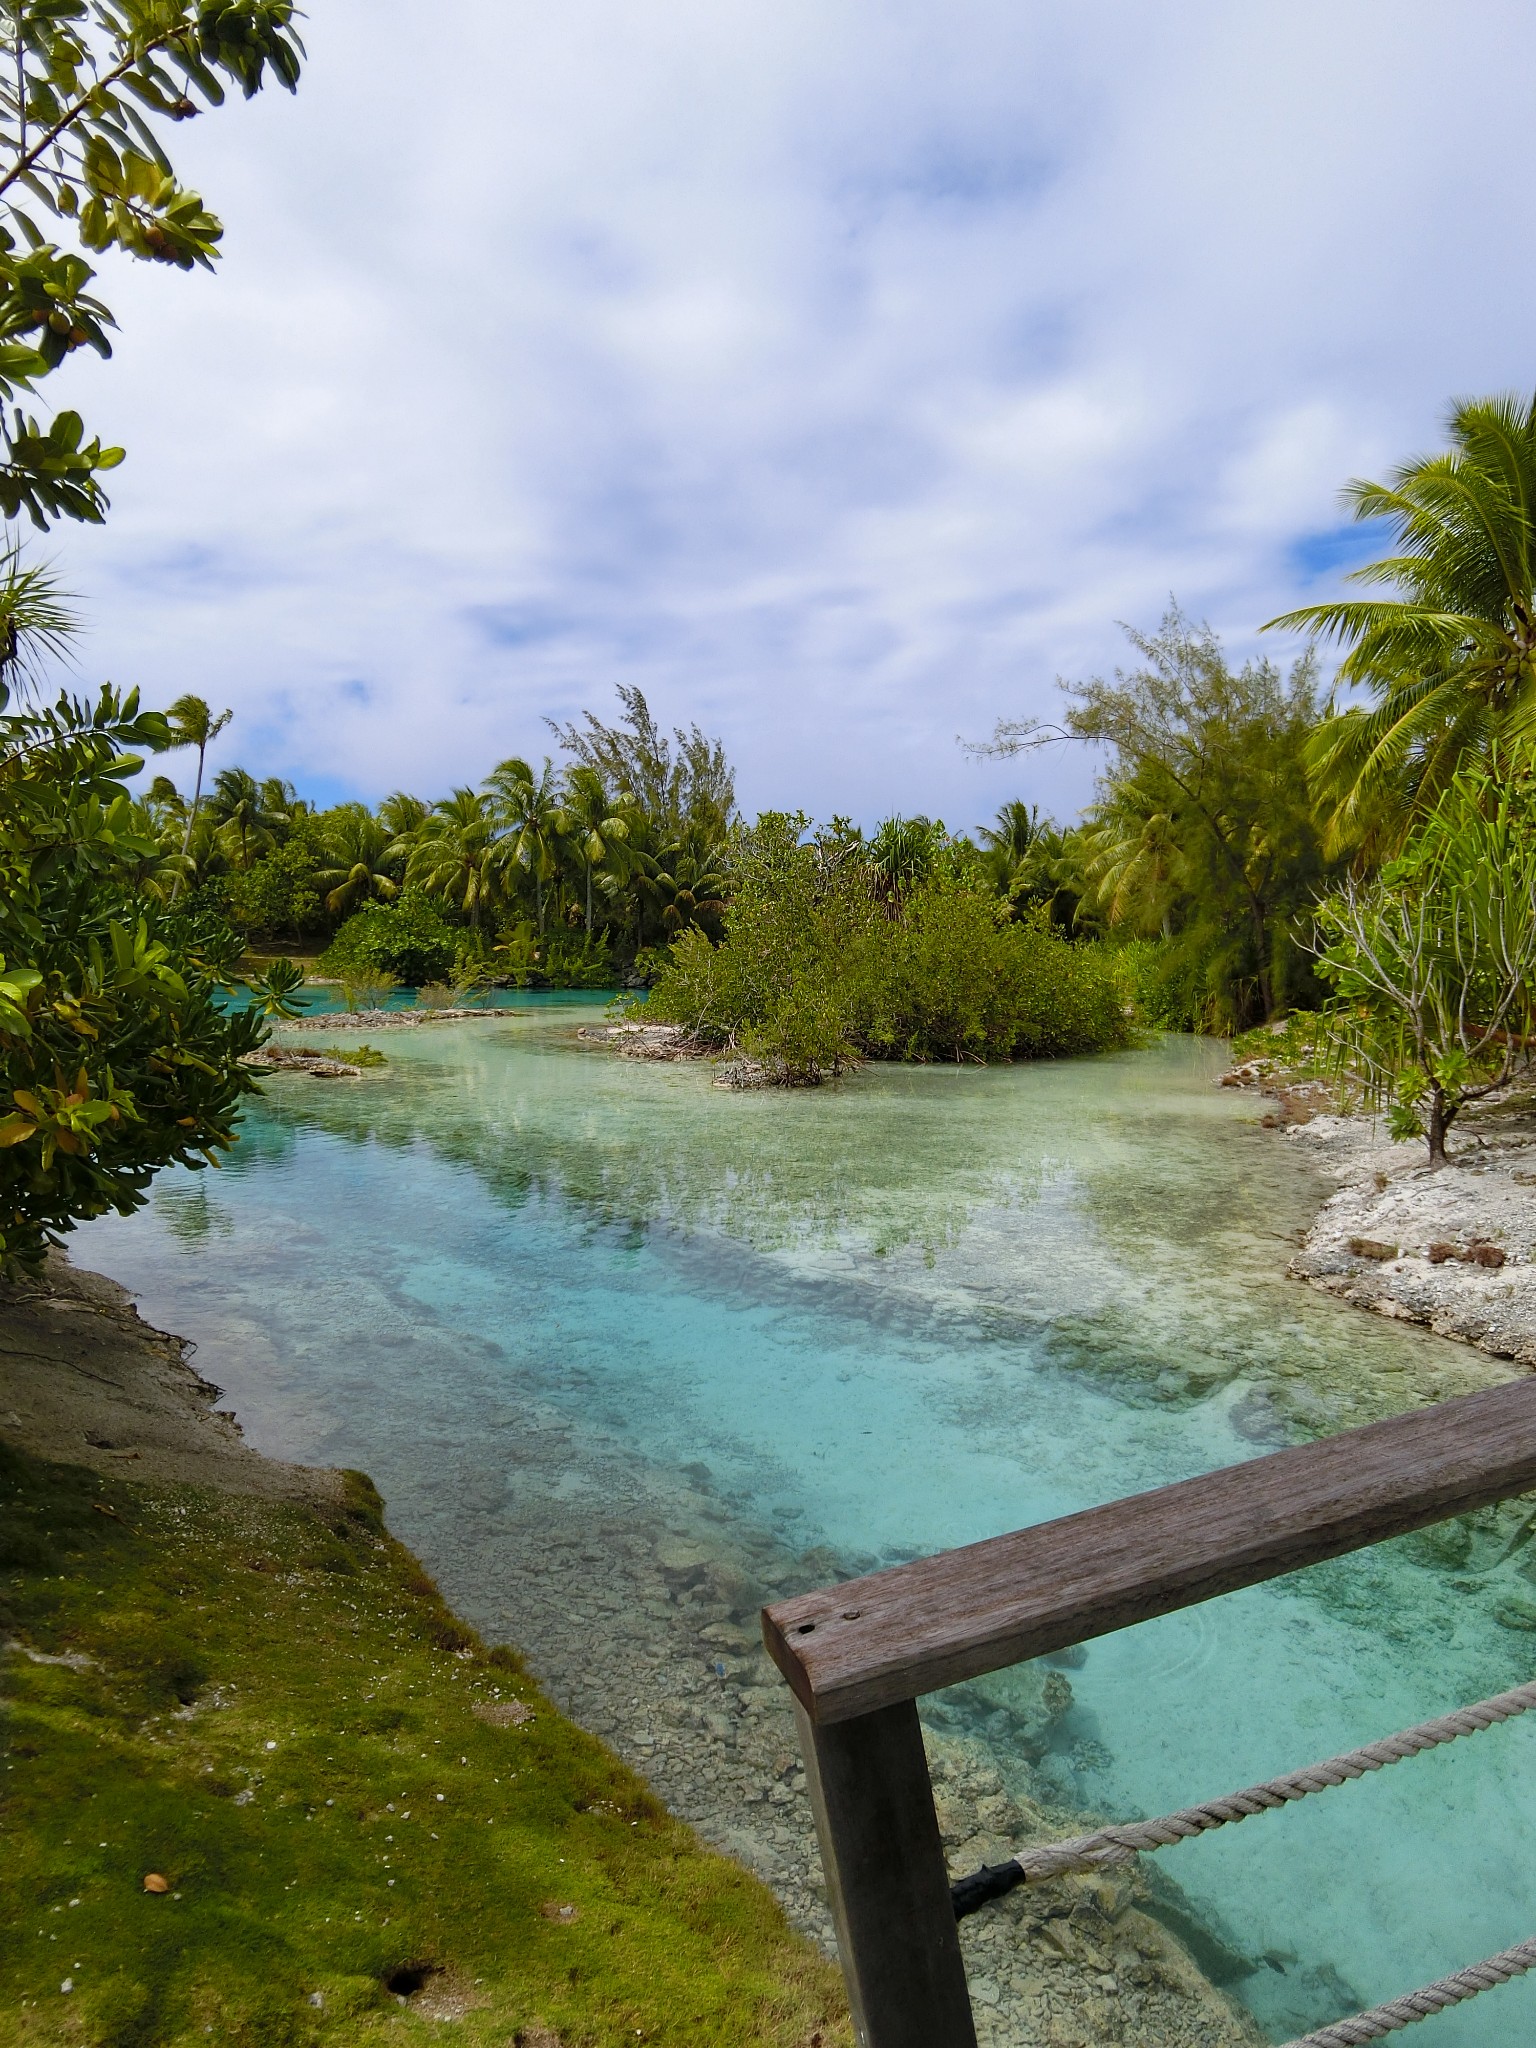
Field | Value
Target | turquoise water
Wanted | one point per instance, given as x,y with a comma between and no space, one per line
527,1285
322,999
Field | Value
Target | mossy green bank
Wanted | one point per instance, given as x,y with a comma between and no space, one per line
370,1825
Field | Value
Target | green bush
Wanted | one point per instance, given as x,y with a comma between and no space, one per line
280,890
116,1058
1166,985
409,939
822,965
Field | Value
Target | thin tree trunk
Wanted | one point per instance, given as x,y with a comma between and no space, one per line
589,899
186,837
1266,988
1440,1120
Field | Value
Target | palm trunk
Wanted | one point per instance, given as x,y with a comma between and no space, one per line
197,797
589,899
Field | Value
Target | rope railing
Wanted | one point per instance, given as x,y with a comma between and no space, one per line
1124,1843
1398,2013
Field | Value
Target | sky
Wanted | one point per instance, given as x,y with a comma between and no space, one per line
840,373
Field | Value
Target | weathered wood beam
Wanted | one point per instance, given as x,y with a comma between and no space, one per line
869,1643
886,1880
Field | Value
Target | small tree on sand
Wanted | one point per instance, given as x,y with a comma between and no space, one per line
1435,960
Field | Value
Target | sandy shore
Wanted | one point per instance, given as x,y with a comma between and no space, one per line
85,1381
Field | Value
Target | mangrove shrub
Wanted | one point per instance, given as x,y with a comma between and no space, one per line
824,962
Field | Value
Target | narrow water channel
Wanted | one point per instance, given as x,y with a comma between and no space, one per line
628,1353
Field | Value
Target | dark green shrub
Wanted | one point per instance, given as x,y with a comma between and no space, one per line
410,939
280,891
116,1058
824,963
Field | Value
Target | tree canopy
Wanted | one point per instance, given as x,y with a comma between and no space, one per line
1201,833
1449,663
116,1059
88,89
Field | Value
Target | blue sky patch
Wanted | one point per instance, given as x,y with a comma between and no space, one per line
1335,550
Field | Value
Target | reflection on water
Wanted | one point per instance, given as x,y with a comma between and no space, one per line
618,1345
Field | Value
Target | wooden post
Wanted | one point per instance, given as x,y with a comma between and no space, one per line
886,1880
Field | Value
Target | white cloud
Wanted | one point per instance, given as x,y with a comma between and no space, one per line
839,374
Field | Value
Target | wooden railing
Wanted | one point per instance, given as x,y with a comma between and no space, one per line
858,1655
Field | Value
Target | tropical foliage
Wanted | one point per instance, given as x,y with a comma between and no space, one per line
115,1058
1228,870
563,875
1449,664
1434,959
1202,833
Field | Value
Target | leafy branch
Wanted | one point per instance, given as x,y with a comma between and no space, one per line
88,81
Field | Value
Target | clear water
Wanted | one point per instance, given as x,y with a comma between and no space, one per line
520,1281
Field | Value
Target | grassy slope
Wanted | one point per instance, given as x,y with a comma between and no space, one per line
279,1716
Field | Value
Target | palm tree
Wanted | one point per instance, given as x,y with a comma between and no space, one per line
451,855
244,810
1133,861
194,725
362,850
689,890
1009,841
36,623
595,825
166,805
526,808
283,804
1451,662
401,814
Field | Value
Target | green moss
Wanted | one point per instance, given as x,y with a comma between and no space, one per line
341,1785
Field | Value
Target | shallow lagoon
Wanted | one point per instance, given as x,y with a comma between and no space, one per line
542,1294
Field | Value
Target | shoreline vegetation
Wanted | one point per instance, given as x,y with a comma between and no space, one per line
222,1671
1251,851
827,960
